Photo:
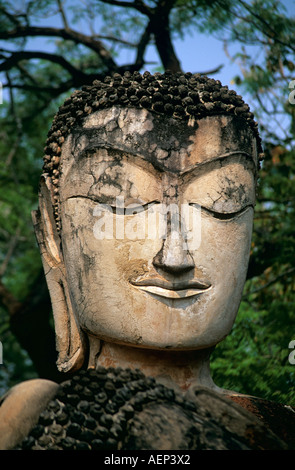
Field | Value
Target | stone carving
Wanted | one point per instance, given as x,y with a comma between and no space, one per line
162,290
144,226
115,409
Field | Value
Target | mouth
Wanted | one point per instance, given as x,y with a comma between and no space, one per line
172,290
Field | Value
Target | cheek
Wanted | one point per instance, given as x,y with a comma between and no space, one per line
224,257
225,243
94,261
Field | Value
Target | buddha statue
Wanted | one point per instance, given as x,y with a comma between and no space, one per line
144,226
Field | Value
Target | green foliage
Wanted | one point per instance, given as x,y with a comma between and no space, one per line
207,16
23,130
265,324
254,357
16,366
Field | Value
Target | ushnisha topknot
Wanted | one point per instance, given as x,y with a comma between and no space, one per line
179,95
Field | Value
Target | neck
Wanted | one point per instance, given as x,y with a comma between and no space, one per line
176,369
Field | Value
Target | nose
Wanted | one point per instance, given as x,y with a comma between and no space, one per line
174,257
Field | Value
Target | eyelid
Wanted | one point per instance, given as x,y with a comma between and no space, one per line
119,210
132,207
222,215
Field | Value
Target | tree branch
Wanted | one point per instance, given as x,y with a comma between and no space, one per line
61,10
54,91
65,86
11,17
19,127
16,57
270,283
265,28
67,34
212,71
114,39
160,27
144,40
138,5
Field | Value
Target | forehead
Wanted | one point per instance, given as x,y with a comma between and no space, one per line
167,143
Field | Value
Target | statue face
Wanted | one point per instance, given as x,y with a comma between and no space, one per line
156,220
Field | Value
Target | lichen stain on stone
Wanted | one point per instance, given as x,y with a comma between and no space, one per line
134,269
88,262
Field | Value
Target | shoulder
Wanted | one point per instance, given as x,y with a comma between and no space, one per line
261,424
20,408
278,417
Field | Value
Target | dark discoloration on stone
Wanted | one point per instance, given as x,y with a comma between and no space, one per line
277,417
115,409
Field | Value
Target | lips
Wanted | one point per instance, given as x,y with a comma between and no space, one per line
172,290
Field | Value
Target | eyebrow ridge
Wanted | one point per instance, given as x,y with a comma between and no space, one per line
218,158
127,153
185,172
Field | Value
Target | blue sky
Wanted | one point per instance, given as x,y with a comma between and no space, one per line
210,55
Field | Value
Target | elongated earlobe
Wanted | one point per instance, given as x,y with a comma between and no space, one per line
69,337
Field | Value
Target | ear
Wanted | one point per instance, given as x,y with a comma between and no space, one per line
70,342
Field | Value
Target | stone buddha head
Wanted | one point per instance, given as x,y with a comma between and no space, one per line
145,214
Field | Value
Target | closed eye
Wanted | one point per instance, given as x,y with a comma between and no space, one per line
119,209
222,215
132,209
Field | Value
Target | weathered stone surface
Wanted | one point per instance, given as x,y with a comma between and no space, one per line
128,411
277,417
20,409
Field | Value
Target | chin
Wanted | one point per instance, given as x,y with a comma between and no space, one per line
162,340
